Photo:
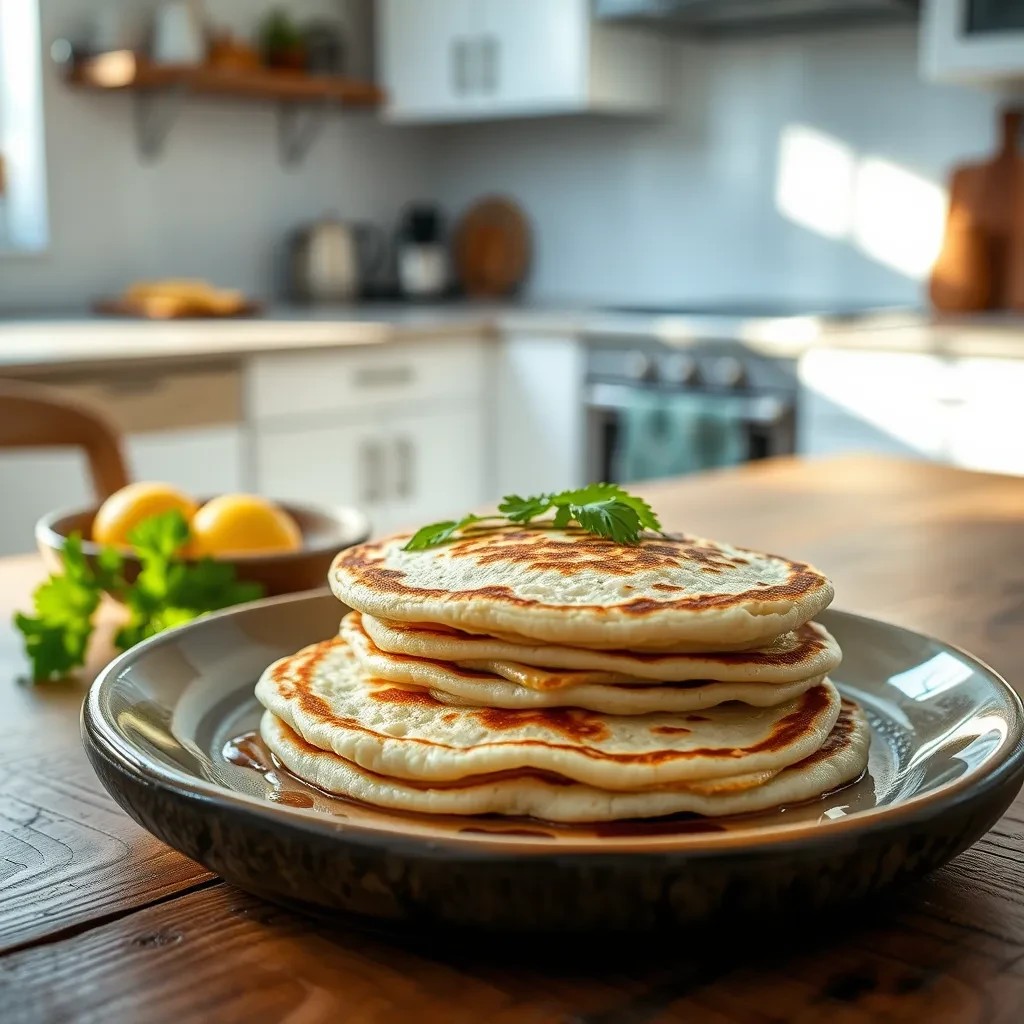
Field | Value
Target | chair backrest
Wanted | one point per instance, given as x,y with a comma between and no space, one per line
38,417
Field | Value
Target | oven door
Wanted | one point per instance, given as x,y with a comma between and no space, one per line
972,40
768,424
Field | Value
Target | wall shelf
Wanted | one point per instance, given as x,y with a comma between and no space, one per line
303,101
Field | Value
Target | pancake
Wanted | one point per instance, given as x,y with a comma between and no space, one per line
573,588
841,759
329,700
807,652
465,685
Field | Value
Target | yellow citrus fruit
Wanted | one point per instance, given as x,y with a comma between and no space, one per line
128,507
243,524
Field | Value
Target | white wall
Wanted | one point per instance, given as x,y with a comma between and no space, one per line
686,207
217,203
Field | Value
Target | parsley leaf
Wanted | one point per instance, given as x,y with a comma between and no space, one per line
602,509
167,592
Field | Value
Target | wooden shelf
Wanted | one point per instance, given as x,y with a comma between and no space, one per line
124,71
303,100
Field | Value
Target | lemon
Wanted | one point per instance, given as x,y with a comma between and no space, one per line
128,507
243,524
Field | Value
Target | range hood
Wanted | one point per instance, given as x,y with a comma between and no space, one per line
736,17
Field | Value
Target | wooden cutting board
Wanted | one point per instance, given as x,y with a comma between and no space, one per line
492,248
182,311
981,264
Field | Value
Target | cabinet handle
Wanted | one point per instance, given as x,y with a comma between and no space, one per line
489,55
404,456
369,456
460,66
383,376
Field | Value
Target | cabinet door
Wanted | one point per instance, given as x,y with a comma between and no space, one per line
534,54
426,56
987,418
888,402
328,465
206,461
435,467
540,442
34,482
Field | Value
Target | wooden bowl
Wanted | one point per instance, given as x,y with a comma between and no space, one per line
325,532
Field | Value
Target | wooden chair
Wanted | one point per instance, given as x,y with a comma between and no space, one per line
38,417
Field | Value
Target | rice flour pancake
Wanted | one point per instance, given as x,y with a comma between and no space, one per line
571,587
331,702
453,684
806,652
841,759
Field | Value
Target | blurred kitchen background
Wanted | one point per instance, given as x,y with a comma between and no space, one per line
411,255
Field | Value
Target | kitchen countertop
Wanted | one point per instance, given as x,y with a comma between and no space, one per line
100,921
41,342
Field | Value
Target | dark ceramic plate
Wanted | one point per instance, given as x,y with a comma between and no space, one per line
163,724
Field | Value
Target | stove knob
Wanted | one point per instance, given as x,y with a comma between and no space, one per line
681,369
641,367
730,373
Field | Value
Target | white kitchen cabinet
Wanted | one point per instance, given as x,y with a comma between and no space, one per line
201,461
448,60
887,402
986,428
541,419
962,410
403,471
433,467
400,431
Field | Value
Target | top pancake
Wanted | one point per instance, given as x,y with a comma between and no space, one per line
571,587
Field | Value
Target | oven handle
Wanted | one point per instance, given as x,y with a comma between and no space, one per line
764,408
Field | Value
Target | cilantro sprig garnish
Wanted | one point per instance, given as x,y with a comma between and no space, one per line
602,509
167,592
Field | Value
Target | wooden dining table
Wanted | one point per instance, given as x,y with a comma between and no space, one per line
101,921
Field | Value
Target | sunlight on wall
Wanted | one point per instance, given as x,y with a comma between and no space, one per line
899,217
889,213
814,185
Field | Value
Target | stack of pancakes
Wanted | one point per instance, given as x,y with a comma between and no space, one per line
555,674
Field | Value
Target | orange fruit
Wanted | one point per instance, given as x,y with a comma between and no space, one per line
243,524
128,507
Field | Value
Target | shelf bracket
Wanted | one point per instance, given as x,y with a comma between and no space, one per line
155,113
298,127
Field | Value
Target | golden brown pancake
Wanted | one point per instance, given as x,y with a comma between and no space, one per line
325,695
572,588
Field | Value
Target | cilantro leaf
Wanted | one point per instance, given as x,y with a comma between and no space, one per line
54,650
610,518
161,536
603,509
435,534
594,493
167,592
431,536
57,635
522,510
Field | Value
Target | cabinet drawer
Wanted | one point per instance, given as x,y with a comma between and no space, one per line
299,384
138,401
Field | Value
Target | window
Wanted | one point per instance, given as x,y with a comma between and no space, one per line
23,220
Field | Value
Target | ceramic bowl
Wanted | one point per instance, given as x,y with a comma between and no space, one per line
325,531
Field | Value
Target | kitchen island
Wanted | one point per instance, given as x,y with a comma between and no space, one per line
99,920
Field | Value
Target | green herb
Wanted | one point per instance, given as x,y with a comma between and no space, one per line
167,592
603,509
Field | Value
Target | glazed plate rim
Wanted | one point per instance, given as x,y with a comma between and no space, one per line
973,785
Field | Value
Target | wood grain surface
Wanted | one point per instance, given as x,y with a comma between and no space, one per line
100,922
